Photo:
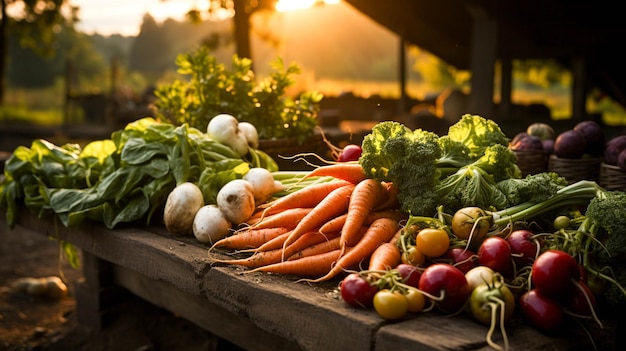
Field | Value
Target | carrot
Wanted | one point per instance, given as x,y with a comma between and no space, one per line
333,205
365,196
309,196
249,238
381,231
348,171
287,218
273,243
390,197
312,266
334,224
270,256
325,246
386,256
337,223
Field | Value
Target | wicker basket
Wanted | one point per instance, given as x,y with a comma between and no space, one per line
531,162
612,177
283,151
575,169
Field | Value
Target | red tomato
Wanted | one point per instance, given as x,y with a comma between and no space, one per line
357,291
350,152
495,253
445,281
540,311
553,271
524,247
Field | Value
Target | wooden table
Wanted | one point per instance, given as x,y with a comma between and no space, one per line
257,311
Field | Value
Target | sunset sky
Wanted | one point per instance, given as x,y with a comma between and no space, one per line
125,16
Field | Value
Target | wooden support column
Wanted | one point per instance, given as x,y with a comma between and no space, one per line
506,88
402,102
483,57
579,90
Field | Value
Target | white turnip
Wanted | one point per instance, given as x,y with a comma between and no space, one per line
236,200
210,224
181,207
262,181
224,128
252,135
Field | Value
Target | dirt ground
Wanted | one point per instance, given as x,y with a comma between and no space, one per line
36,323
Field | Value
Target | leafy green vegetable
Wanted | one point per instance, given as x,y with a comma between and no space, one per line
455,170
534,187
212,89
124,179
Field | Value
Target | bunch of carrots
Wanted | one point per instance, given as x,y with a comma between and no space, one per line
322,230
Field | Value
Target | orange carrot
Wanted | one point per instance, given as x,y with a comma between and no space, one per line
334,224
365,196
348,171
312,266
262,258
333,205
337,223
309,196
319,248
389,199
287,218
249,238
273,243
386,256
381,231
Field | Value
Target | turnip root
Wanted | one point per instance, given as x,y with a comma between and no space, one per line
50,287
252,136
236,200
210,224
181,207
224,128
262,181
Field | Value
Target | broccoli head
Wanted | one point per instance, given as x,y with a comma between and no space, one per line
477,133
534,187
394,153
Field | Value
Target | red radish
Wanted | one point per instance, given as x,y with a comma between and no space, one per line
553,271
524,247
463,259
357,291
580,300
540,311
350,152
495,253
446,286
410,274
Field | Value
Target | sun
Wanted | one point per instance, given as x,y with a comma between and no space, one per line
291,5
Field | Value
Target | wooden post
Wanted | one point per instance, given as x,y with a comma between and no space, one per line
579,91
483,55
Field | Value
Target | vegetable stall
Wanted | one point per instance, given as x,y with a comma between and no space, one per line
409,240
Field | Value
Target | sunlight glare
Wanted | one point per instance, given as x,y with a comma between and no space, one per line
292,5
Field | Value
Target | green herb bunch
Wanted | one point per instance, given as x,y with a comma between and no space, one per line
213,88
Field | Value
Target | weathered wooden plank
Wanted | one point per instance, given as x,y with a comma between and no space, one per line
233,327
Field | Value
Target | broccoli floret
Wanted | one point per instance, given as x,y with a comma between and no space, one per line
606,218
394,153
534,187
499,161
477,133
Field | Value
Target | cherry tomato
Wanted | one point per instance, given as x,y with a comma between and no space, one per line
410,274
487,296
391,304
553,271
540,311
447,283
350,152
432,242
524,247
471,223
479,275
357,291
413,256
495,253
416,301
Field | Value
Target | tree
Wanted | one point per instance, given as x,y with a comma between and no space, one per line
149,52
34,25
